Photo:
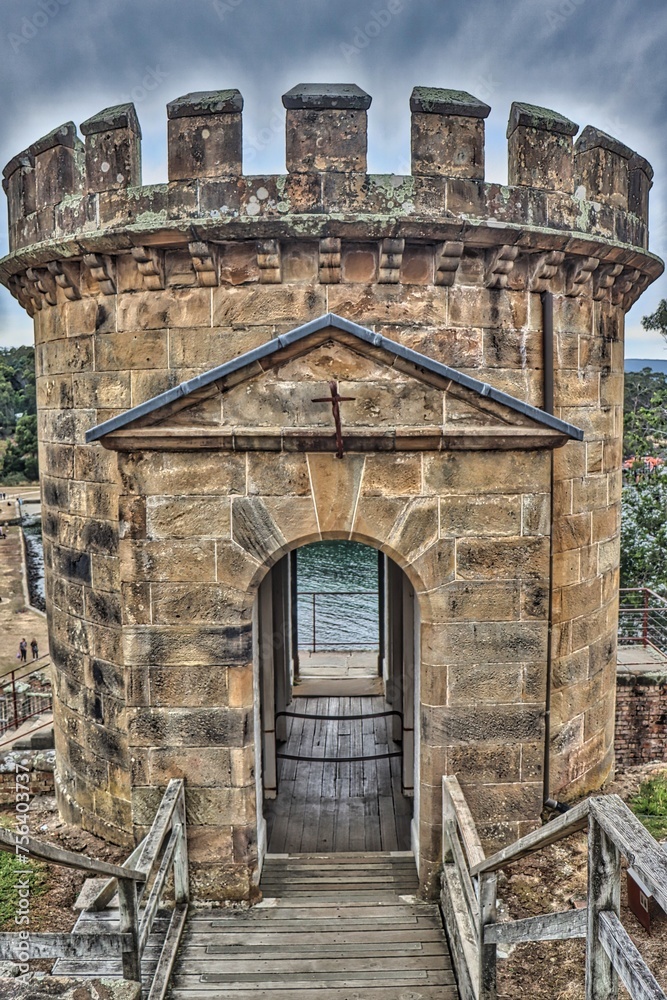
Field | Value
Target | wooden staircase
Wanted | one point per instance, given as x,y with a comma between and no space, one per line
331,927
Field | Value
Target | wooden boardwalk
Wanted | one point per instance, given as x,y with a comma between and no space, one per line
330,927
339,807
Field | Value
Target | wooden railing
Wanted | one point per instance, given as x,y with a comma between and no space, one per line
469,896
140,884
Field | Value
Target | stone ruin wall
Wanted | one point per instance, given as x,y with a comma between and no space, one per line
134,289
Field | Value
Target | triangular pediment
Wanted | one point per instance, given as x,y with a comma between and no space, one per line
278,396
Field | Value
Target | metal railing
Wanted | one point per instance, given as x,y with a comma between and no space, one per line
140,884
642,619
469,896
12,696
328,627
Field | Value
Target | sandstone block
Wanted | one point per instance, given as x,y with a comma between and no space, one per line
194,727
486,472
154,310
480,515
472,601
197,603
464,726
188,517
502,558
174,473
168,562
194,646
478,684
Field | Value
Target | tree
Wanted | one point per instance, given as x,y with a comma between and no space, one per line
644,533
657,320
645,414
20,458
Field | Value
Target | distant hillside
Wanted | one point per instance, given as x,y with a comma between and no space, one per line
637,364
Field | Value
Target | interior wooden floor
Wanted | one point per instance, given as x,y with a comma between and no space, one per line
338,807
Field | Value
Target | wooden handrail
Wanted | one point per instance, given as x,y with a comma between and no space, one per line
161,852
468,896
9,842
570,822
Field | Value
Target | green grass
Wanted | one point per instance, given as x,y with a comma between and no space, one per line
10,868
650,805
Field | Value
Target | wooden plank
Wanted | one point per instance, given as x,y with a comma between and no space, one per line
486,950
129,924
306,992
461,934
636,976
546,927
28,846
643,853
150,853
452,794
85,946
157,889
604,893
461,863
570,822
110,888
168,954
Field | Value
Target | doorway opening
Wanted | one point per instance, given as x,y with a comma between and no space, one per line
337,624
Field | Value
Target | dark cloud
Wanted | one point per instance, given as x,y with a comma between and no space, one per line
598,61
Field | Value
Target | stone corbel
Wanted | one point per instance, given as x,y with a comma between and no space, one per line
204,262
329,260
64,280
580,275
623,285
499,266
44,287
447,262
604,278
150,263
268,261
545,267
391,258
99,268
18,286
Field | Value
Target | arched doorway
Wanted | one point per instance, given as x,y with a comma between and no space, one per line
337,647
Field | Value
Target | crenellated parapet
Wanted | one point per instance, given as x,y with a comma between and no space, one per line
574,215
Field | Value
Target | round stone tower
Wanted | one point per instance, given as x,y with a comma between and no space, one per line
180,331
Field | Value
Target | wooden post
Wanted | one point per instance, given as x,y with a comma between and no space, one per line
408,706
381,613
294,612
604,894
487,952
129,924
281,631
268,689
181,875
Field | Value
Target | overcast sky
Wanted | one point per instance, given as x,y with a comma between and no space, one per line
600,62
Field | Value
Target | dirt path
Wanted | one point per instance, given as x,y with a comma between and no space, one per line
16,620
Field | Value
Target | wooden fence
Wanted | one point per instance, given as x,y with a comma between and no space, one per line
140,884
469,896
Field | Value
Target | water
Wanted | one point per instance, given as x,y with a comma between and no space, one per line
342,621
32,531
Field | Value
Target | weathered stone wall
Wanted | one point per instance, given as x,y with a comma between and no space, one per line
641,718
136,289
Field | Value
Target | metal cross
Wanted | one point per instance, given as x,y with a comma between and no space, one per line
335,399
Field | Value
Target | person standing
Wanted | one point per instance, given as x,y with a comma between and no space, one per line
35,649
23,650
